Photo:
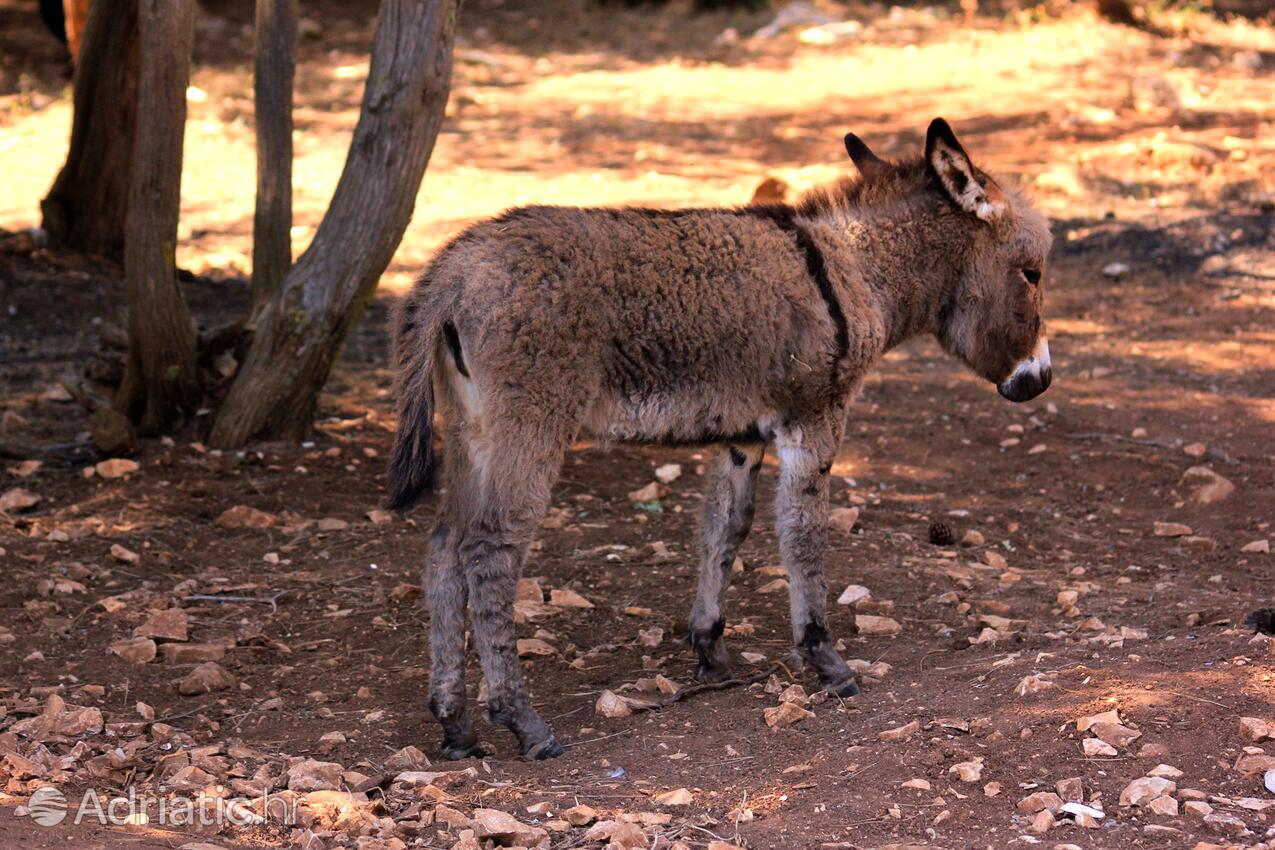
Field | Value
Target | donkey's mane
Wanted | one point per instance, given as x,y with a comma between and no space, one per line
876,185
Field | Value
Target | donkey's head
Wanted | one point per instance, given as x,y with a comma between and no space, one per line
992,247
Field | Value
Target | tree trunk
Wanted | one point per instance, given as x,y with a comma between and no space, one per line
88,203
272,223
299,334
161,381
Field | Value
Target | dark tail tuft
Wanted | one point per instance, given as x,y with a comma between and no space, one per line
413,463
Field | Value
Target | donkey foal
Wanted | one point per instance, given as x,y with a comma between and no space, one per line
738,327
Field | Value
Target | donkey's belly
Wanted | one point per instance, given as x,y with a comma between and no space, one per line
679,418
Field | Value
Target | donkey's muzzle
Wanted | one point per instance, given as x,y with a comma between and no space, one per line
1030,378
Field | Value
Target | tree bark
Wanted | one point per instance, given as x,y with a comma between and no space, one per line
88,203
301,330
275,73
75,13
161,381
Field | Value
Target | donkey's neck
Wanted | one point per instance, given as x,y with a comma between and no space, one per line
900,260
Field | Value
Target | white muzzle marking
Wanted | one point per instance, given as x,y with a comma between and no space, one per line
1036,365
1031,377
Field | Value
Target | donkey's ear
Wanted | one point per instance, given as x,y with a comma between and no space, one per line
861,155
957,175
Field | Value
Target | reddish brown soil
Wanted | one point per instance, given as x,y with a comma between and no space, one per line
1180,347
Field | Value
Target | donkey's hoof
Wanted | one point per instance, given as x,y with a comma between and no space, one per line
711,671
846,688
549,748
463,750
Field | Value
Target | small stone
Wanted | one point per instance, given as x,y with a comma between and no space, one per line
1039,801
1166,771
1205,486
899,733
612,705
1095,747
1166,806
137,650
668,473
311,775
1225,824
1115,270
843,519
992,789
580,815
192,653
243,516
785,714
379,516
1258,547
967,771
116,467
918,784
1139,792
650,493
567,598
1195,449
506,830
409,758
1072,789
206,678
124,555
853,594
1254,730
168,624
1115,734
972,538
679,797
18,499
774,586
528,647
331,523
1084,723
868,624
1042,822
994,559
1170,529
1034,684
1197,809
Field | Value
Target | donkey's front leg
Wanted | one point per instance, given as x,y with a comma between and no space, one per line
728,516
805,458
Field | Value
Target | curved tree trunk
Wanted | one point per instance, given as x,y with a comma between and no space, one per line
275,71
299,333
86,208
161,381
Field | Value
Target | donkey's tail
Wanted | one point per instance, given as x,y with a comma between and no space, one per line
413,463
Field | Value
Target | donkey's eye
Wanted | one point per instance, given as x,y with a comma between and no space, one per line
1032,275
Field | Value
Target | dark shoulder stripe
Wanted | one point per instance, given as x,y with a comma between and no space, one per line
784,217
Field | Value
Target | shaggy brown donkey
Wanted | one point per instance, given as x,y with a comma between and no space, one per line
735,327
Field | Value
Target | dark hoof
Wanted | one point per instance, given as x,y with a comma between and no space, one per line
709,673
456,752
847,688
549,748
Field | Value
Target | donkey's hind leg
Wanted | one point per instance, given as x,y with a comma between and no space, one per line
728,516
512,496
447,595
805,457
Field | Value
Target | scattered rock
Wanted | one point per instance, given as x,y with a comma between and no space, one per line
843,519
1197,809
967,771
124,555
168,624
407,759
1166,806
1034,684
1040,801
668,473
1094,747
1170,529
899,733
1254,730
1142,791
1071,790
528,647
650,493
1115,271
243,516
611,704
206,678
785,714
137,650
1205,486
18,499
567,598
679,797
117,467
868,624
192,653
507,831
1225,824
331,523
580,815
853,594
1259,547
311,775
1115,734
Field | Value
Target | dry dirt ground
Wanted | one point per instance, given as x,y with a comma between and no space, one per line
1151,151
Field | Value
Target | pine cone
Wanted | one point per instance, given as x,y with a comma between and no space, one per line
941,534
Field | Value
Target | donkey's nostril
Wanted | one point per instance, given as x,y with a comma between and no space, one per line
1029,380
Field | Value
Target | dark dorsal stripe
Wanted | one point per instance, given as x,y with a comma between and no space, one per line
784,217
